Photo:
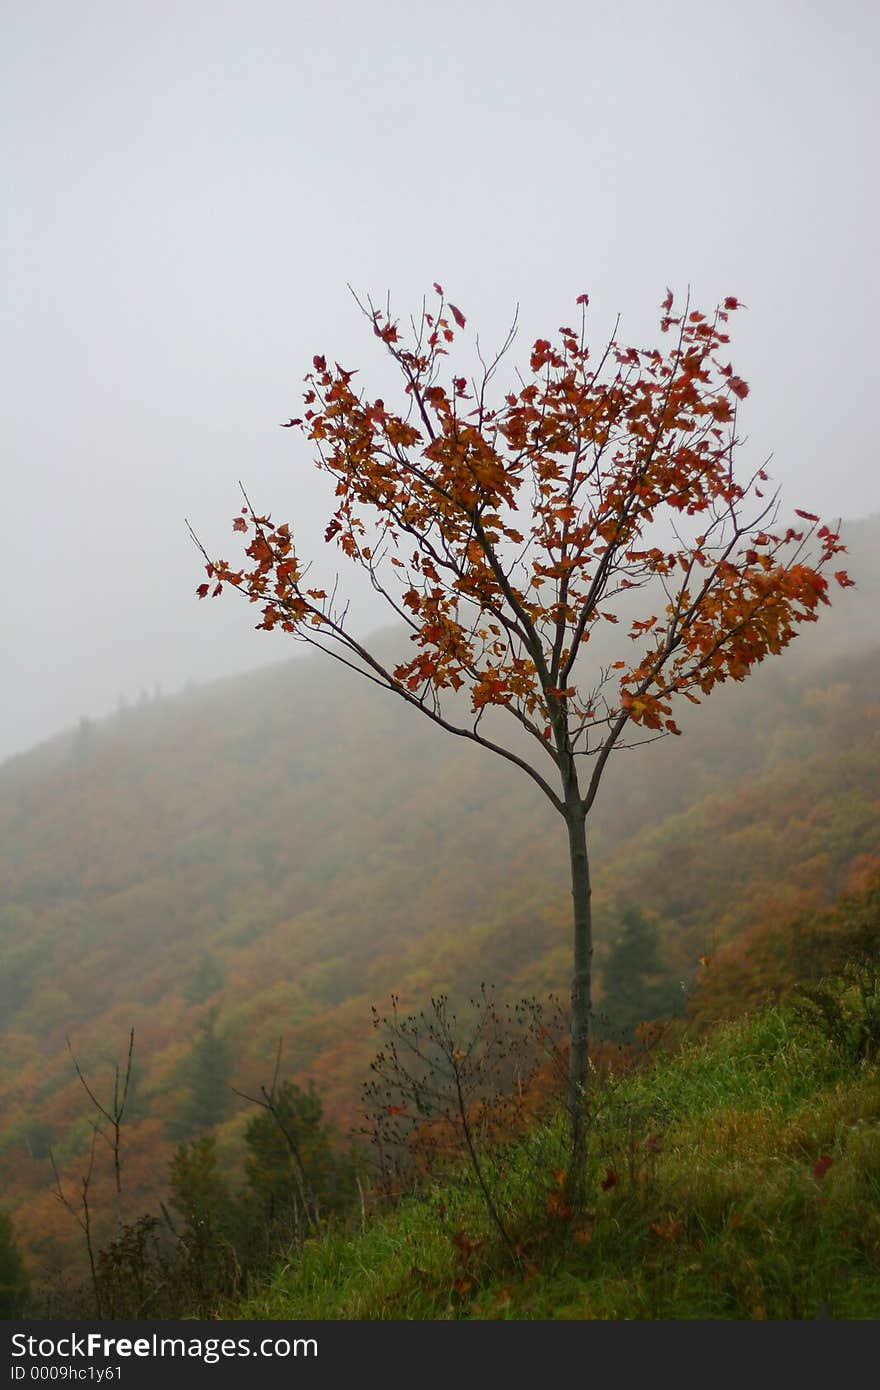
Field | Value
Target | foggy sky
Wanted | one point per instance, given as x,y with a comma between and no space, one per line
189,187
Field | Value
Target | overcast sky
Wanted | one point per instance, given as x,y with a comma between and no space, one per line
190,186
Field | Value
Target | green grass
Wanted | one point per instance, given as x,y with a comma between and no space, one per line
716,1211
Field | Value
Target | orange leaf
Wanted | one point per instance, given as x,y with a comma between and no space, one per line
665,1228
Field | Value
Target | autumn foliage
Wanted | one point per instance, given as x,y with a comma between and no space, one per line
514,527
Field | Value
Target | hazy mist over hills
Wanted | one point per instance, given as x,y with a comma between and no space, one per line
188,201
848,624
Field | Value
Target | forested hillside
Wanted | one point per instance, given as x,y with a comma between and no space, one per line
270,855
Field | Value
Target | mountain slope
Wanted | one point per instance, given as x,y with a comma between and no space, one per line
290,846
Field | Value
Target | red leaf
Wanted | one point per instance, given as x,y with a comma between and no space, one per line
609,1180
844,580
821,1168
395,1109
457,315
667,303
731,302
439,289
738,387
202,590
239,524
582,299
468,1244
290,424
807,516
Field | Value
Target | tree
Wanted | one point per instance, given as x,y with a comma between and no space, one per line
206,1072
14,1284
294,1177
214,1225
636,980
206,977
507,535
198,1189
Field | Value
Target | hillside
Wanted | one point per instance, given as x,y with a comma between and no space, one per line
290,846
737,1180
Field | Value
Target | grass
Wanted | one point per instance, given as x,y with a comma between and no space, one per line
710,1195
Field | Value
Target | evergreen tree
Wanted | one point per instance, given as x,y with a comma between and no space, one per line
14,1285
636,981
206,978
293,1174
213,1231
198,1190
206,1072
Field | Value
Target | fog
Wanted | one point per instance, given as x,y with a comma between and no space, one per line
191,186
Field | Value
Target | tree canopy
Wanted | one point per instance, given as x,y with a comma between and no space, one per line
505,534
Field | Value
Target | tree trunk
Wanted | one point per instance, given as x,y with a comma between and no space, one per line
581,999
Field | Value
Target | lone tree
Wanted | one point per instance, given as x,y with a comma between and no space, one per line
506,534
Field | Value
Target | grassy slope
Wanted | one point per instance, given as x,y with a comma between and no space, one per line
723,1215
